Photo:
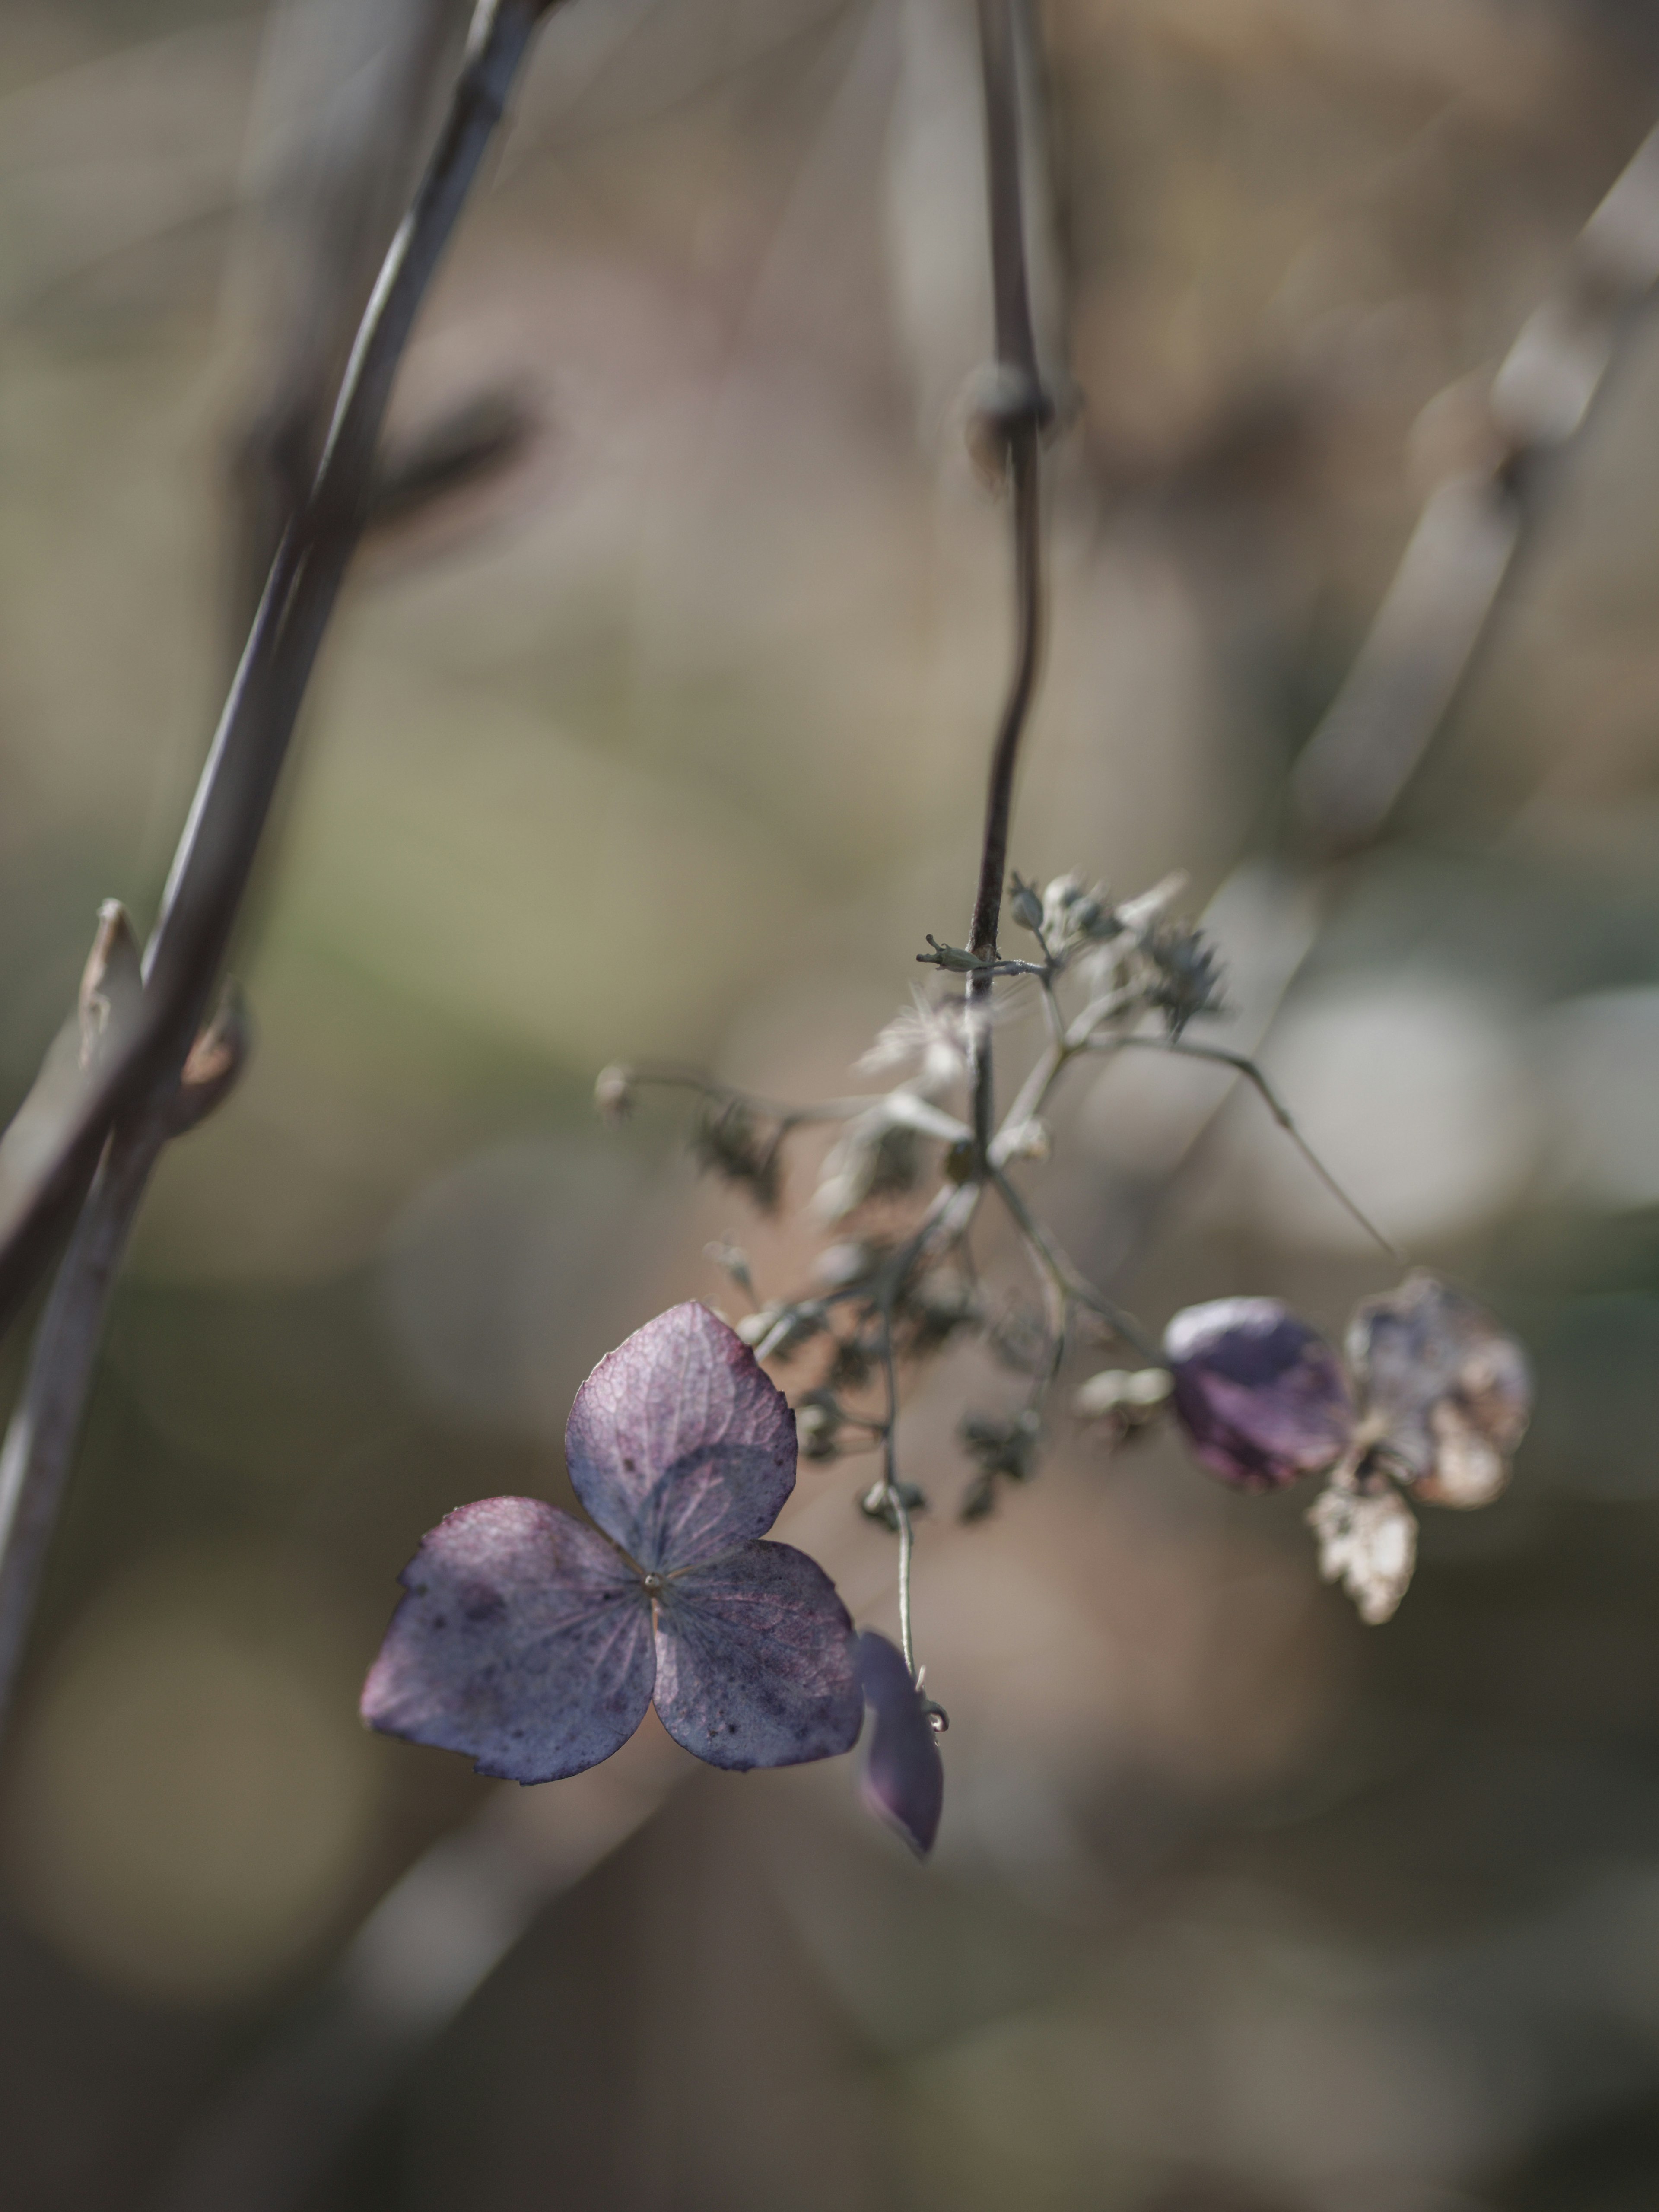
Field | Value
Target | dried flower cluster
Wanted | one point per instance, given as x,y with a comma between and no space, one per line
536,1644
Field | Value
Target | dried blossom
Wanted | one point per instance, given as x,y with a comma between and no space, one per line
731,1140
1448,1393
1186,975
1125,1400
1367,1541
935,1039
1261,1395
535,1644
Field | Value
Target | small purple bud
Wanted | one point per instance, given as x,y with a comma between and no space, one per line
903,1774
1260,1394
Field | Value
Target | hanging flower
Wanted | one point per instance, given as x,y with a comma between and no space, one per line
534,1643
1438,1401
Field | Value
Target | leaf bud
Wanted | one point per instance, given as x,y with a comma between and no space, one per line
112,981
1025,905
214,1065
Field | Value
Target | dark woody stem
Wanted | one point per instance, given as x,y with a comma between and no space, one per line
1016,417
114,1126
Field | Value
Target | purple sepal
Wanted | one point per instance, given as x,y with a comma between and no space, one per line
1449,1392
903,1774
678,1444
524,1640
1261,1395
755,1661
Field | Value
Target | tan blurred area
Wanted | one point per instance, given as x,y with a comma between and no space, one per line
662,732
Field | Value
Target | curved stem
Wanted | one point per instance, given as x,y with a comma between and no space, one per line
894,1496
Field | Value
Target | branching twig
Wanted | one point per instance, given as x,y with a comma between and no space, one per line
128,1090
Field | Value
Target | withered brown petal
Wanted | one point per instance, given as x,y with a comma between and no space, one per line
1450,1391
1367,1540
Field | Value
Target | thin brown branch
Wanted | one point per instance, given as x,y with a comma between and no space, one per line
1017,414
1439,607
130,1089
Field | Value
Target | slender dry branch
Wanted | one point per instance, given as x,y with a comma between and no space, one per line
40,1183
1440,605
119,1110
1019,412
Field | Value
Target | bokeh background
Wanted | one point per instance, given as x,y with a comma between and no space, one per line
663,733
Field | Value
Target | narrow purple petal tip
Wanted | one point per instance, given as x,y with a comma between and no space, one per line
679,1445
1260,1394
903,1774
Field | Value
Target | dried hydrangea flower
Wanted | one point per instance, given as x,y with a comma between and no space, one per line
1260,1394
903,1774
535,1645
1368,1541
1447,1393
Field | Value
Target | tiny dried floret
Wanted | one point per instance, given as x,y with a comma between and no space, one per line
731,1140
1367,1542
534,1643
934,1039
1006,1447
1187,978
1127,1398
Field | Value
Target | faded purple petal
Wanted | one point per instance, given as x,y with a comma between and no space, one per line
1450,1391
755,1661
678,1445
524,1640
903,1774
1260,1394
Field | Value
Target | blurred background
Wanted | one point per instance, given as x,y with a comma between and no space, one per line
654,723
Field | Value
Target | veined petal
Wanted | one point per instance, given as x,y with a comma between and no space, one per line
754,1663
678,1445
903,1774
1260,1393
524,1640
